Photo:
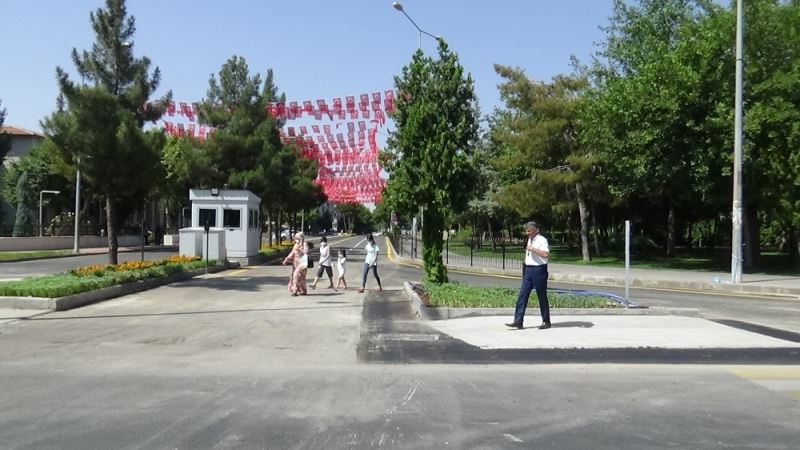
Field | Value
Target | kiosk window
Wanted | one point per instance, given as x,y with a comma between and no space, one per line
208,215
231,218
252,218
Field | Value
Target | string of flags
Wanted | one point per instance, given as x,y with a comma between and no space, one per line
346,147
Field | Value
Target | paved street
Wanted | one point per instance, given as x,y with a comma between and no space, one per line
230,360
37,267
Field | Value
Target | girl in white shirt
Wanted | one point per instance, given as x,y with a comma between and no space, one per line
341,264
324,263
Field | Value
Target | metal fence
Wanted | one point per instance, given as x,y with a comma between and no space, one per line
472,252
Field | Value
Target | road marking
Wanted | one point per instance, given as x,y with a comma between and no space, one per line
785,380
511,437
359,243
408,337
236,272
411,392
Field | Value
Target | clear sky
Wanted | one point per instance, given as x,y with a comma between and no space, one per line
318,49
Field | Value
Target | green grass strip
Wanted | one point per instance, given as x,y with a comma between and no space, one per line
19,256
458,295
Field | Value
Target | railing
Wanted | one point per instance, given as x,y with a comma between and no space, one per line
472,252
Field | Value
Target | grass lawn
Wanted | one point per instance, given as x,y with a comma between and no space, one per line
458,295
16,256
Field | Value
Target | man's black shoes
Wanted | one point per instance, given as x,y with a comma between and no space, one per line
544,326
514,325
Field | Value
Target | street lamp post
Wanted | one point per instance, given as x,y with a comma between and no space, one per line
41,194
399,7
736,219
76,242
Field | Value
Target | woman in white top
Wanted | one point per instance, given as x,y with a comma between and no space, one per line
371,261
324,263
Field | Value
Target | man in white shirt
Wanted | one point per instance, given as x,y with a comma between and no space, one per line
534,276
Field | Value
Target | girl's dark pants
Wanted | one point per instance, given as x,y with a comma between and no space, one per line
374,272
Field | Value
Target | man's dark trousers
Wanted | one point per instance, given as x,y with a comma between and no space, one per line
533,277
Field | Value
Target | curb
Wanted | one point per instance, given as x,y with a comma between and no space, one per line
423,311
107,293
693,286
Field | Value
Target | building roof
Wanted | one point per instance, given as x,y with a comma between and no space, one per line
18,131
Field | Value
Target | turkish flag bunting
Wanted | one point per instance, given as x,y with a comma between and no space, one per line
353,115
171,108
351,127
315,128
337,105
365,114
376,97
350,101
191,129
364,99
280,108
290,131
169,127
303,130
327,129
323,107
308,107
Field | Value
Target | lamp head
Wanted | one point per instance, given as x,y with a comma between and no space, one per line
397,6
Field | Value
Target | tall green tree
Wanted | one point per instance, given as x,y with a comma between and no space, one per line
100,128
432,149
542,132
245,149
644,115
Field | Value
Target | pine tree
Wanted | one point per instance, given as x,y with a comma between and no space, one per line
100,129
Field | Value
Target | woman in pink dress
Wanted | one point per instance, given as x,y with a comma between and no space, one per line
298,257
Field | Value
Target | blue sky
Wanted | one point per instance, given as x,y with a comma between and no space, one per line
317,48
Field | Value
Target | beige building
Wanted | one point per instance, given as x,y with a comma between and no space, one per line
21,142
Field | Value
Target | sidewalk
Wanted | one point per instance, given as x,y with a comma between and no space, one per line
777,285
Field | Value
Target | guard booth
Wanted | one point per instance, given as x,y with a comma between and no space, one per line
232,219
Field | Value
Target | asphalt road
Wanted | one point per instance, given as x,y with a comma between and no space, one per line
230,360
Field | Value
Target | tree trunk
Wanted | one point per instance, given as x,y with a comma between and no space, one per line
111,219
689,236
670,229
432,244
584,214
595,231
270,227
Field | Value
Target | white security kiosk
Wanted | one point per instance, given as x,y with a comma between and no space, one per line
233,221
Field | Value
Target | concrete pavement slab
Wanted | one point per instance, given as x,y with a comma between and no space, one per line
669,332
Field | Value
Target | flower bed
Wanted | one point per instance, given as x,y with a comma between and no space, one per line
97,276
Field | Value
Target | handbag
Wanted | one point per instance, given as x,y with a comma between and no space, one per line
303,262
310,262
